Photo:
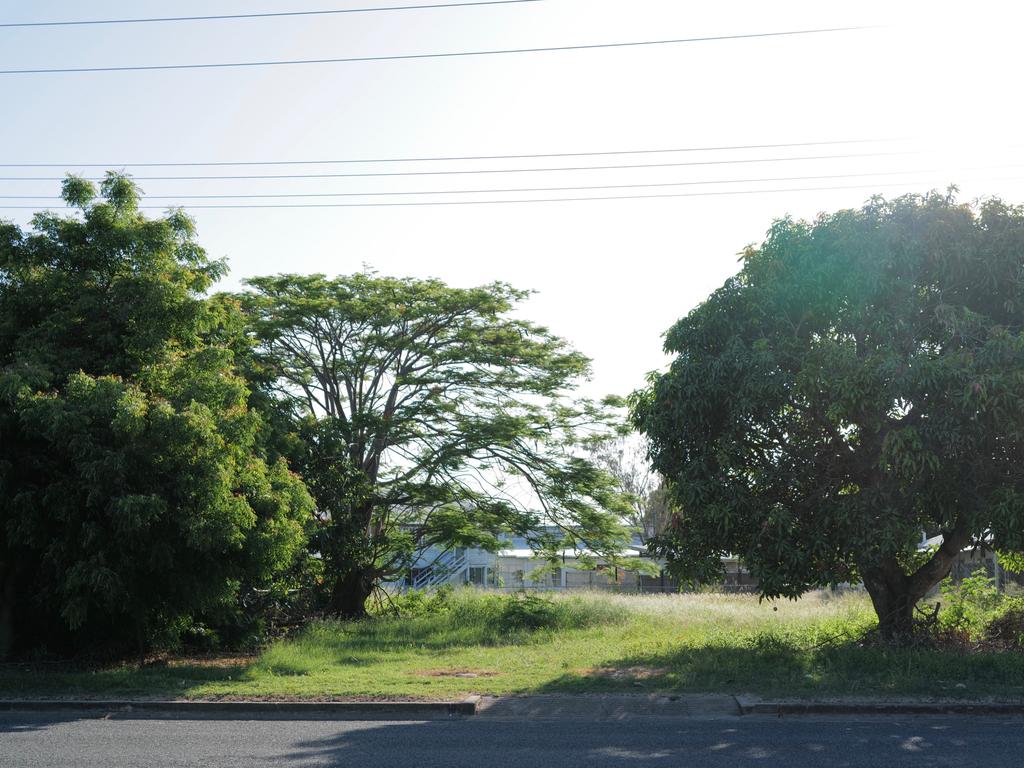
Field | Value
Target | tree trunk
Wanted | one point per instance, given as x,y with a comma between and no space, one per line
895,593
350,592
891,597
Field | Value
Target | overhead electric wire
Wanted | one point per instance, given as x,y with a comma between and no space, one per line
448,157
410,56
478,170
248,196
269,15
527,200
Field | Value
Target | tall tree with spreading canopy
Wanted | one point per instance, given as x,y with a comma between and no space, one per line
134,494
859,382
431,416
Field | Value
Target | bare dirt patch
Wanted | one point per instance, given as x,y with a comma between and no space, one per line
625,673
214,661
455,672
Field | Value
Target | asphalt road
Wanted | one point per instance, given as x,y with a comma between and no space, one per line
88,740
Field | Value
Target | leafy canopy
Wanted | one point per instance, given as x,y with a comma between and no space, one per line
859,382
133,491
433,415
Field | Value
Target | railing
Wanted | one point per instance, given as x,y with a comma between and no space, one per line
440,571
625,589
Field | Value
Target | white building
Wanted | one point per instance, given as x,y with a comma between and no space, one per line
513,567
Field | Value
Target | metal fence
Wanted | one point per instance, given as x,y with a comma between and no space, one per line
623,589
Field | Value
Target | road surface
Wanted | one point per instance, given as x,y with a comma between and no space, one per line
90,740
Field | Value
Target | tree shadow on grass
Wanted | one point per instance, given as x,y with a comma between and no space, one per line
371,641
425,633
172,680
769,665
317,646
696,668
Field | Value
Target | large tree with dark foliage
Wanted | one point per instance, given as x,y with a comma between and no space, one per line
430,415
859,382
134,495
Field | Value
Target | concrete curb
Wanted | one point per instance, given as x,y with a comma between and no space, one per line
394,710
614,707
750,706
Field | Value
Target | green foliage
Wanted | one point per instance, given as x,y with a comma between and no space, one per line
976,609
529,612
1011,561
135,496
430,415
972,602
416,602
859,381
503,614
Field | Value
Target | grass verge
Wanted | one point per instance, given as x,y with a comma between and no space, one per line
473,642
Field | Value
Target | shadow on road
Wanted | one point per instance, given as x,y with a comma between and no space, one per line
52,739
660,741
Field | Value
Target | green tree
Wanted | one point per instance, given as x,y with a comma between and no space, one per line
133,491
861,380
431,416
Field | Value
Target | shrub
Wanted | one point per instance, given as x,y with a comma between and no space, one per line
972,603
1006,630
416,602
533,612
138,491
505,613
529,612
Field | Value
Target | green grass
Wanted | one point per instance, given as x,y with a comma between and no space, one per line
585,643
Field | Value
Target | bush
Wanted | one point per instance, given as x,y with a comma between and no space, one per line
1006,630
416,603
525,612
139,493
529,612
504,613
971,604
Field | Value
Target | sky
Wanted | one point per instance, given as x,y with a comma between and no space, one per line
926,94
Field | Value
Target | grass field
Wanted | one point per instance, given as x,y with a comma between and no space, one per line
492,644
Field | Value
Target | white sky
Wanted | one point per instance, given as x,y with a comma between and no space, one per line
941,79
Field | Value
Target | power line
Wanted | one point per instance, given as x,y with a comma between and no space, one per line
503,190
276,14
449,157
479,170
409,56
528,200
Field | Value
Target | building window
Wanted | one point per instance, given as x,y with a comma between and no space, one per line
478,575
